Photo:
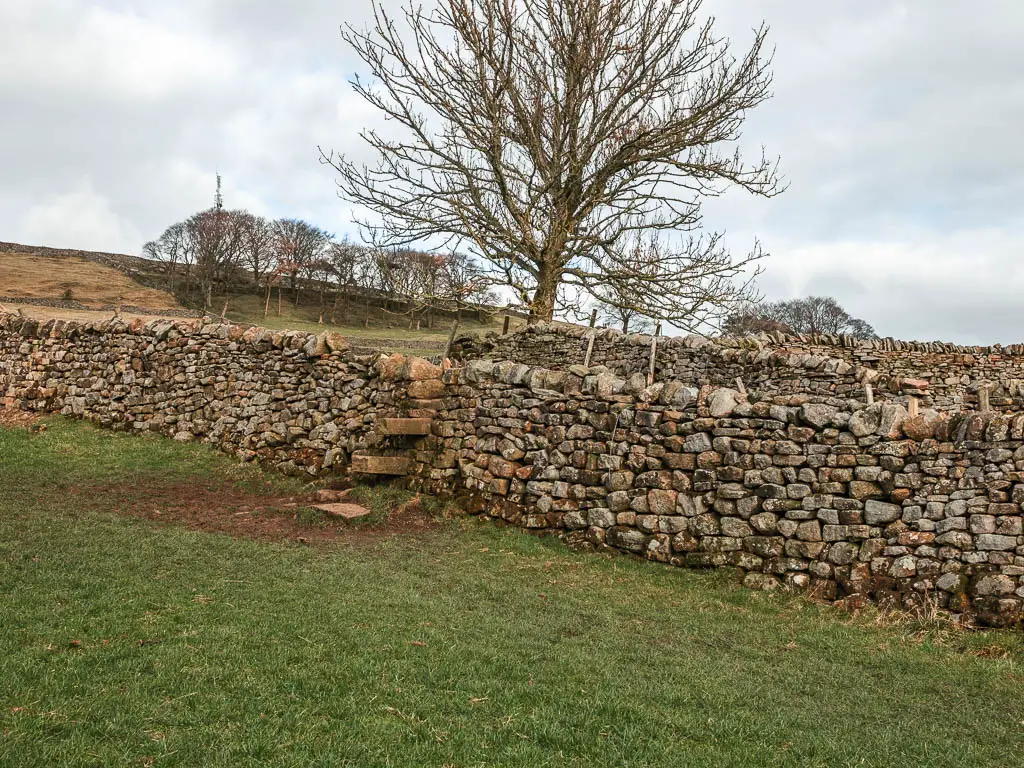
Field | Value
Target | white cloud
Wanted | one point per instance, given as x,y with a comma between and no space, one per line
81,219
59,47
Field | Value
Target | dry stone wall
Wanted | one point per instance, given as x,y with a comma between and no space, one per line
814,493
779,363
796,482
299,402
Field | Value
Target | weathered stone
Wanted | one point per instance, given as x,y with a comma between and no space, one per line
817,414
762,581
661,502
994,584
722,402
879,512
343,510
865,421
995,542
629,539
697,443
426,389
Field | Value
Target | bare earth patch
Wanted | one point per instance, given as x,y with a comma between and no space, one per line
11,418
248,515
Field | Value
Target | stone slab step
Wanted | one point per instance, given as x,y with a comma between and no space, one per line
397,426
381,465
343,510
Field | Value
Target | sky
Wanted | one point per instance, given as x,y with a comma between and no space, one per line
898,124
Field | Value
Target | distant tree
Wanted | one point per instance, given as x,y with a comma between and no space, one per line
347,263
258,246
549,137
861,329
813,314
215,237
299,247
175,248
464,283
625,318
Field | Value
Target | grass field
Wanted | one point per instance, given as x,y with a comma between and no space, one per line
385,330
129,642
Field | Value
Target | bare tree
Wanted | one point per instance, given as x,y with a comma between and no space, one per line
300,245
618,306
257,245
175,248
214,236
465,283
347,264
549,137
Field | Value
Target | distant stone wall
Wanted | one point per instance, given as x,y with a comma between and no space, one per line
78,305
778,363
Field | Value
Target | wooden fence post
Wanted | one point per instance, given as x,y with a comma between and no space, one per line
590,347
451,340
654,352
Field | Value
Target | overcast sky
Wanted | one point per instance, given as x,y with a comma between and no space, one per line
899,125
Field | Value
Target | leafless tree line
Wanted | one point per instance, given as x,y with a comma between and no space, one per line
218,248
813,314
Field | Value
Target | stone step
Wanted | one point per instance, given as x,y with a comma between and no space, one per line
346,511
397,426
381,465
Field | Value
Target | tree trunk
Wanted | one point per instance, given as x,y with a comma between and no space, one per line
334,309
543,305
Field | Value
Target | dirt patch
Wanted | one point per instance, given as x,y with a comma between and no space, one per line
13,419
248,515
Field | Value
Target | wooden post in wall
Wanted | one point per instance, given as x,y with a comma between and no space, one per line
590,347
451,340
504,326
593,317
654,352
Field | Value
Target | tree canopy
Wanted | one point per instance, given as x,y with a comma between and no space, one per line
567,144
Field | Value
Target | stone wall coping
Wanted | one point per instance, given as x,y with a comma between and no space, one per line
779,339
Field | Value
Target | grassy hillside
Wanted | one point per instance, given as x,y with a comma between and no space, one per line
25,275
98,280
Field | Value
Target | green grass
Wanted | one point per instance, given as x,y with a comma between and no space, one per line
127,642
383,327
